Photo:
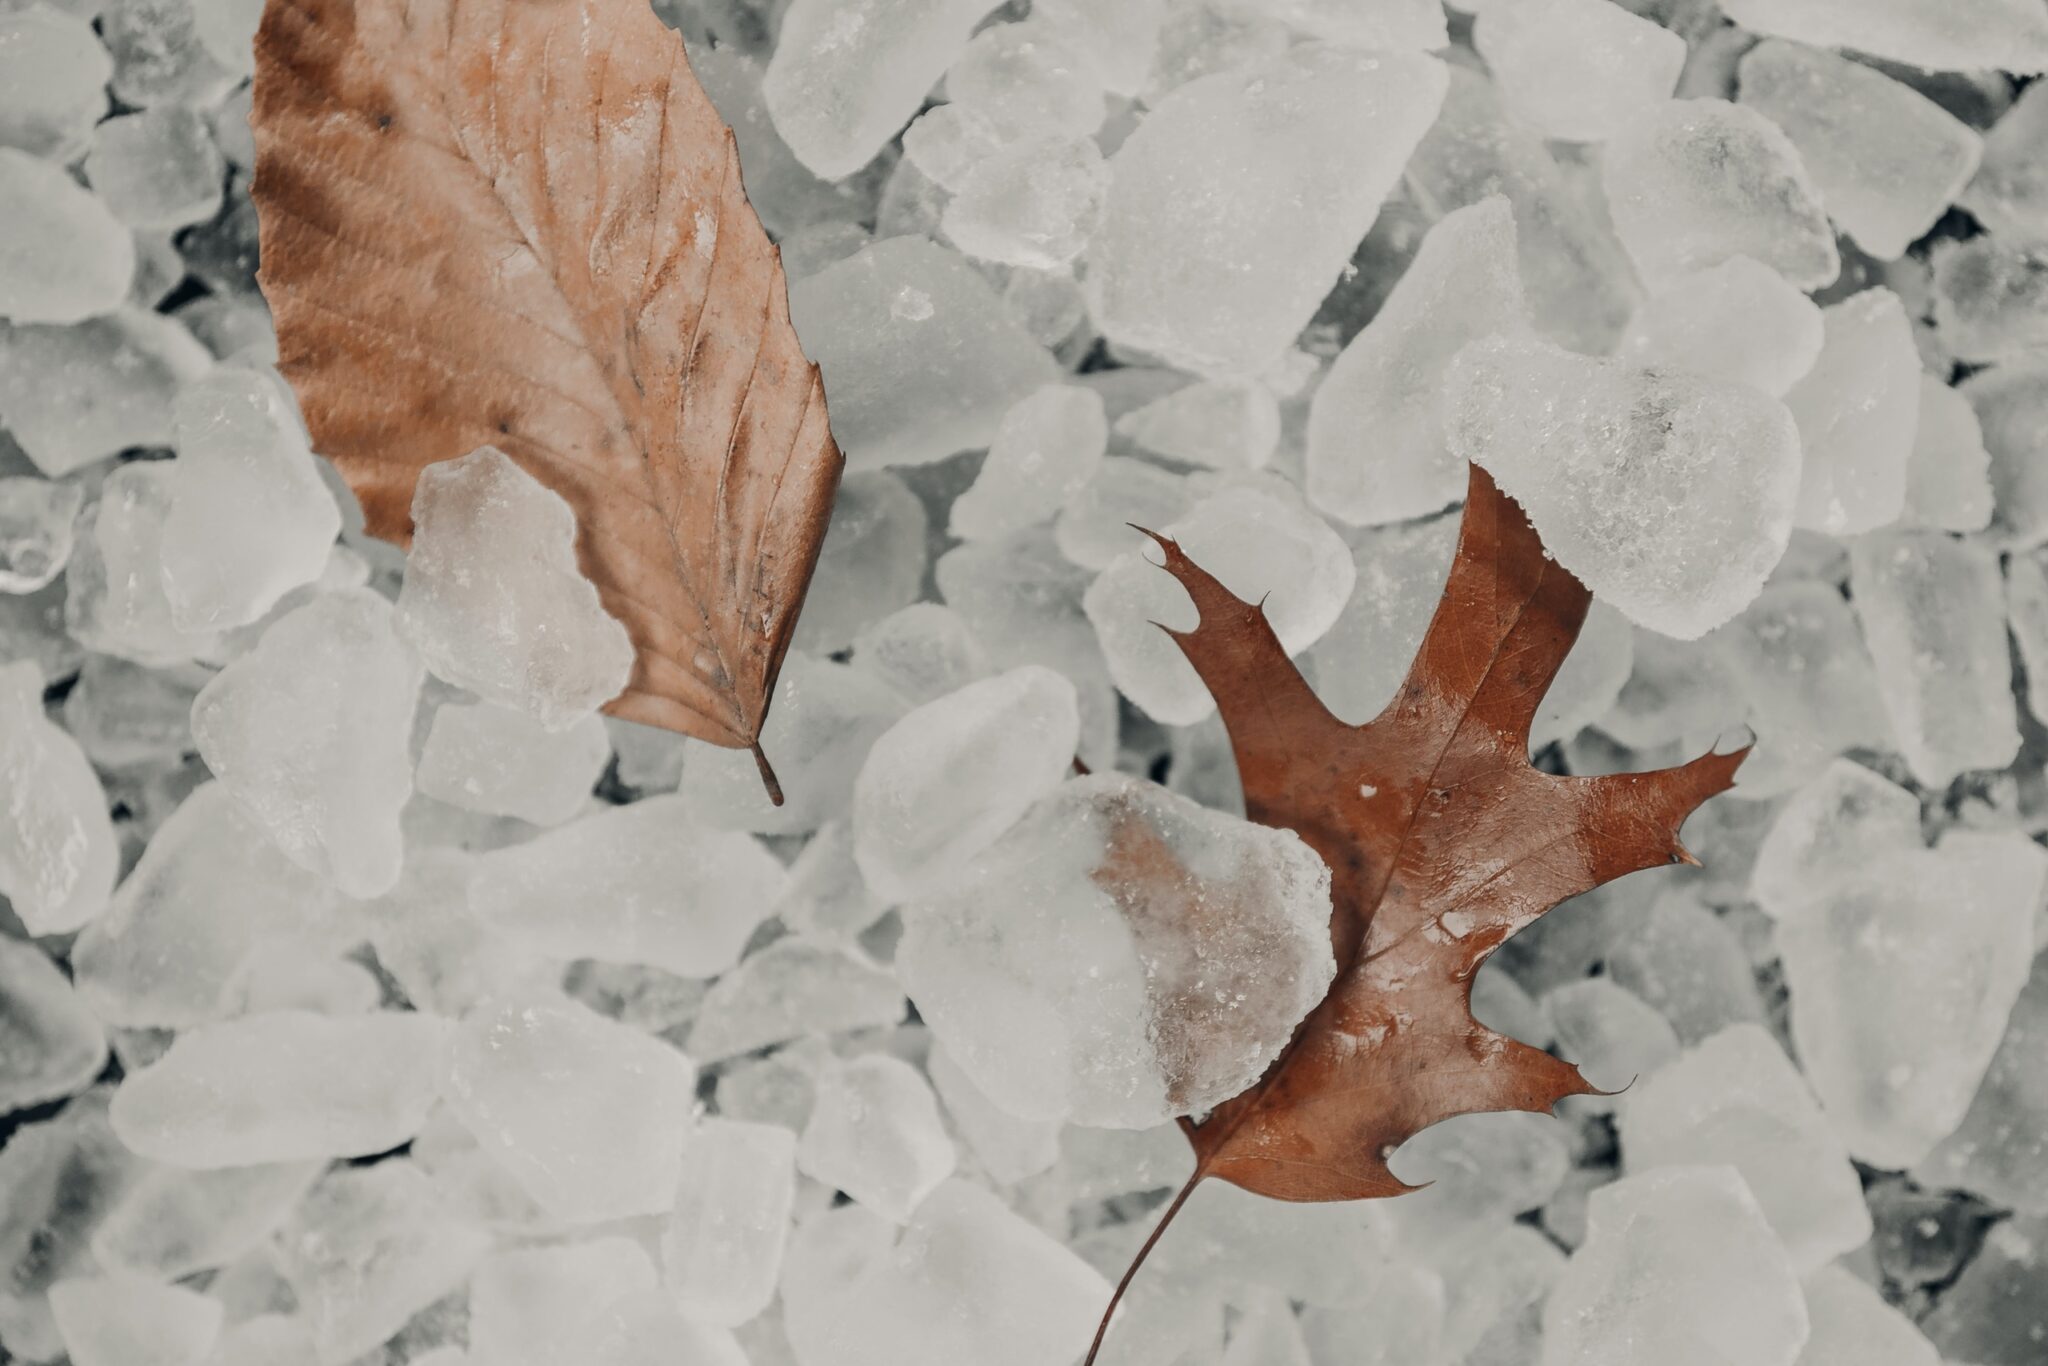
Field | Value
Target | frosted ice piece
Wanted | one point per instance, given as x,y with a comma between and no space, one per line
945,142
1286,188
1738,321
582,1111
58,856
2011,402
844,78
1948,476
1101,1163
945,781
1633,1291
1095,523
129,1321
284,975
1118,41
721,1250
872,563
820,725
1259,539
1098,873
1886,160
1048,446
310,732
66,257
158,57
1395,24
1592,676
1933,615
36,518
1223,424
781,188
1267,1333
158,168
368,1249
1691,183
648,1329
493,599
650,758
2009,195
920,358
1577,70
271,1339
827,901
227,28
251,518
484,757
74,395
1483,1170
1493,1306
1400,573
1829,829
1027,78
1611,1034
788,990
1737,1099
1400,1312
2004,35
1688,964
527,1305
2000,1150
116,600
178,1222
924,651
211,887
1007,1147
283,1087
968,1281
51,1046
53,81
1902,977
1990,299
1031,204
1853,1326
1669,495
632,884
875,1133
1376,445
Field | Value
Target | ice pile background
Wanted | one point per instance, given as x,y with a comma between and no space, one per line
366,998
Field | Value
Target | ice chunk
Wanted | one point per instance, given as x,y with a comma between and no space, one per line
178,1222
1853,1326
1991,298
827,901
51,1046
493,599
924,651
309,731
875,1133
489,758
1578,70
66,256
721,1250
158,57
1008,1148
53,73
1400,573
527,1305
36,517
115,599
633,884
1483,1170
2010,193
1669,495
2011,402
1031,204
1633,1291
2005,35
1027,78
57,849
1687,963
158,168
648,1329
1100,872
1693,182
1095,523
1376,443
583,1111
1398,1315
1117,41
1948,476
283,1087
1224,424
873,561
1048,446
1284,188
1267,1333
788,990
77,394
1592,676
1255,536
1738,321
1832,827
129,1321
1610,1033
1932,612
650,758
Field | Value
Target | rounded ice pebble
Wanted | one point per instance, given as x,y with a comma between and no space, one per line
1937,35
1738,321
872,562
942,783
58,855
1858,409
77,394
1669,495
1223,424
1025,79
499,761
1691,183
53,81
283,1087
493,599
584,1112
1115,873
64,257
1577,70
158,168
130,1321
1239,199
875,1133
1030,204
37,531
51,1045
1049,445
722,1245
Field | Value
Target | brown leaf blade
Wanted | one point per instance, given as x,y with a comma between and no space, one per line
521,223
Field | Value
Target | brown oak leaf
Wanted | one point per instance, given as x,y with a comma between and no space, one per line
521,223
1442,840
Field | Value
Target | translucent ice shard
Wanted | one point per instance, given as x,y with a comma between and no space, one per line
1738,320
496,760
1828,829
722,1247
51,1045
1948,476
1578,70
158,168
129,1321
875,1133
1853,1326
53,73
1048,445
1991,298
1977,35
66,256
57,851
77,394
789,990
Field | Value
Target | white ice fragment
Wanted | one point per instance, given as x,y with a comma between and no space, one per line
924,651
1939,35
310,730
1157,1024
1389,24
1738,321
1829,829
1031,204
53,81
1118,41
158,168
1223,424
1991,298
129,1321
1267,1333
1691,183
1235,205
489,758
1027,78
1857,410
1592,676
2009,195
177,1222
1400,571
1095,523
2000,1150
788,990
1853,1326
65,257
73,395
1048,445
1577,70
57,851
872,562
1669,495
115,599
283,1087
583,1111
494,600
1686,962
1376,446
158,57
36,530
1948,476
648,1329
1610,1034
1008,1147
721,1250
51,1045
527,1306
227,28
2011,403
875,1133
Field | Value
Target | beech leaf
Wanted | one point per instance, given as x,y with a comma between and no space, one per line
521,223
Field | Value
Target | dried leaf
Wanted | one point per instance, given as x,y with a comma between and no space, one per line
521,223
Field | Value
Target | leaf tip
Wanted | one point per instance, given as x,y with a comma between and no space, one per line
768,779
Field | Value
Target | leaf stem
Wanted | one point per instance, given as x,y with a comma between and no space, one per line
767,773
1102,1329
